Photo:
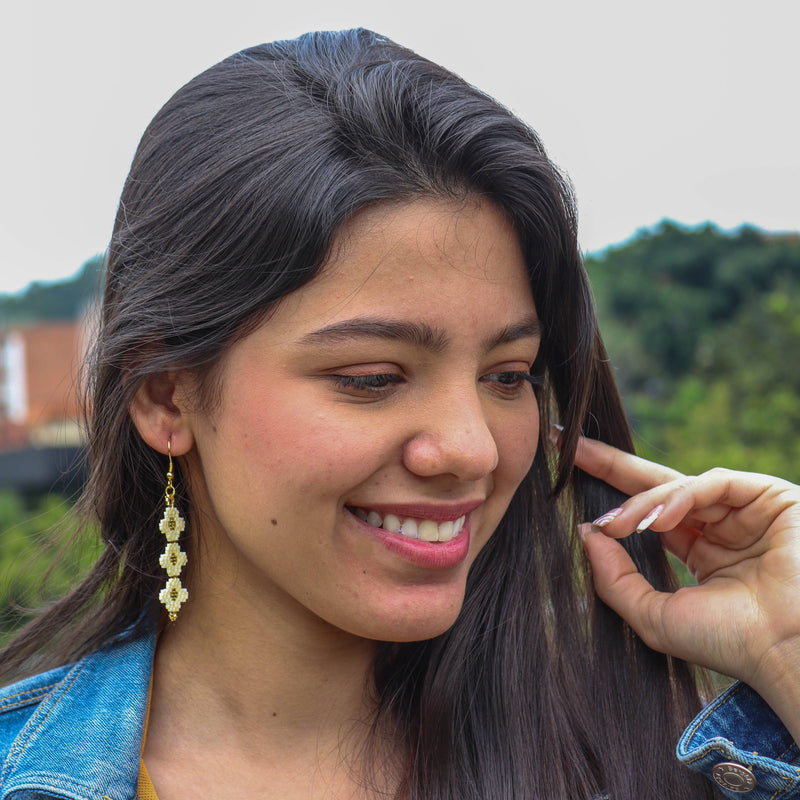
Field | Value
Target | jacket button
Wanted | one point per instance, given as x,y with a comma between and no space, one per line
734,777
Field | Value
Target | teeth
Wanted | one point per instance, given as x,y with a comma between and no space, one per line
445,531
391,523
425,530
428,531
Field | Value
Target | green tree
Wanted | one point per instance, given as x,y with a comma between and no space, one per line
703,331
54,301
43,553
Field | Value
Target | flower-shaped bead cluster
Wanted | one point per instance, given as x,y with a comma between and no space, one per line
172,596
172,524
173,560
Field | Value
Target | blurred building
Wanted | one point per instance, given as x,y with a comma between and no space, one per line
40,434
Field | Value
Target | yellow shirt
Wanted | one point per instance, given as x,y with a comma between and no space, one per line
145,788
146,791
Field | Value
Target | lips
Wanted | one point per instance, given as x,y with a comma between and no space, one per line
408,530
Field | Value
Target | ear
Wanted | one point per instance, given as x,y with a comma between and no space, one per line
157,414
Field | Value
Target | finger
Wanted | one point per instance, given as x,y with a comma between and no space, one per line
649,510
733,508
730,507
625,471
622,587
724,488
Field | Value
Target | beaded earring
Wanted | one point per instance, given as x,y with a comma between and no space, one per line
173,559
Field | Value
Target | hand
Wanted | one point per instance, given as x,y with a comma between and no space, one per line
739,535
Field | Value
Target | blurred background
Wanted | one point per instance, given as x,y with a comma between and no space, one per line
677,124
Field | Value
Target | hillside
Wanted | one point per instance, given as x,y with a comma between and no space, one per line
58,300
703,332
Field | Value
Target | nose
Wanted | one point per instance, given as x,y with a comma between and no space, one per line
451,437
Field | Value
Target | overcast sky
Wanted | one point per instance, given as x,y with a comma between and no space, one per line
687,109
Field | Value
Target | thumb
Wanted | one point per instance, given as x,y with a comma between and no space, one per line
621,586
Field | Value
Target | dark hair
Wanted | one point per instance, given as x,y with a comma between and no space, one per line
234,197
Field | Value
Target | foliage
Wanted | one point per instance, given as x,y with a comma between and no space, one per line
53,301
43,553
703,332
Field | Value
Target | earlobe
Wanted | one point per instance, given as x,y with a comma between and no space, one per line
157,415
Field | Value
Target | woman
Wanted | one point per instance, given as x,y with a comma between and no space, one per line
343,306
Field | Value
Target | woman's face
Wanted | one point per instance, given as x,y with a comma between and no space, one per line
373,430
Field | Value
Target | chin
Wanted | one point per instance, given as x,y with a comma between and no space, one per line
419,635
409,627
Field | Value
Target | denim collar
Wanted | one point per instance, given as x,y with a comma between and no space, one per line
83,740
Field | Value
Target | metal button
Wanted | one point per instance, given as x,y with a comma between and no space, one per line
734,777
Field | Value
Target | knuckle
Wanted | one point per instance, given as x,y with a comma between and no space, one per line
682,485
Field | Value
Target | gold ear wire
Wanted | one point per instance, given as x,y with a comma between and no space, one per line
173,559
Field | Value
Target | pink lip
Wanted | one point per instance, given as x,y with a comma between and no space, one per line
428,555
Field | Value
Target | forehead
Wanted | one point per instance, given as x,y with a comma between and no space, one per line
425,258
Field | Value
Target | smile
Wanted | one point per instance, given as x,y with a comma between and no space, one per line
426,530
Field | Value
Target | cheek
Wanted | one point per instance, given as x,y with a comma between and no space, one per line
295,445
517,445
517,442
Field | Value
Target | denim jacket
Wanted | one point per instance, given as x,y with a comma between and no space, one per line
75,732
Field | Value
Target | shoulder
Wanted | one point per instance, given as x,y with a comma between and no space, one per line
92,693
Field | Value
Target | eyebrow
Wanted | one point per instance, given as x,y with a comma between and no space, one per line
419,334
529,328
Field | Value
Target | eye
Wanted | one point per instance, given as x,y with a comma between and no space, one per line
369,386
511,383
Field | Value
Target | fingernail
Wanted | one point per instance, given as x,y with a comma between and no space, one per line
650,518
587,527
555,432
607,517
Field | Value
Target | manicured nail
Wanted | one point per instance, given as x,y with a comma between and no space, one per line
650,518
607,517
587,527
555,432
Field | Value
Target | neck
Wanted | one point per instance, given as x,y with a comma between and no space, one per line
263,668
273,685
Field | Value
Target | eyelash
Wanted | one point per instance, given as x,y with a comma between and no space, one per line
511,382
376,384
508,383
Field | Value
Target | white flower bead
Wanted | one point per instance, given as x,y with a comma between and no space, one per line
173,595
172,524
173,559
